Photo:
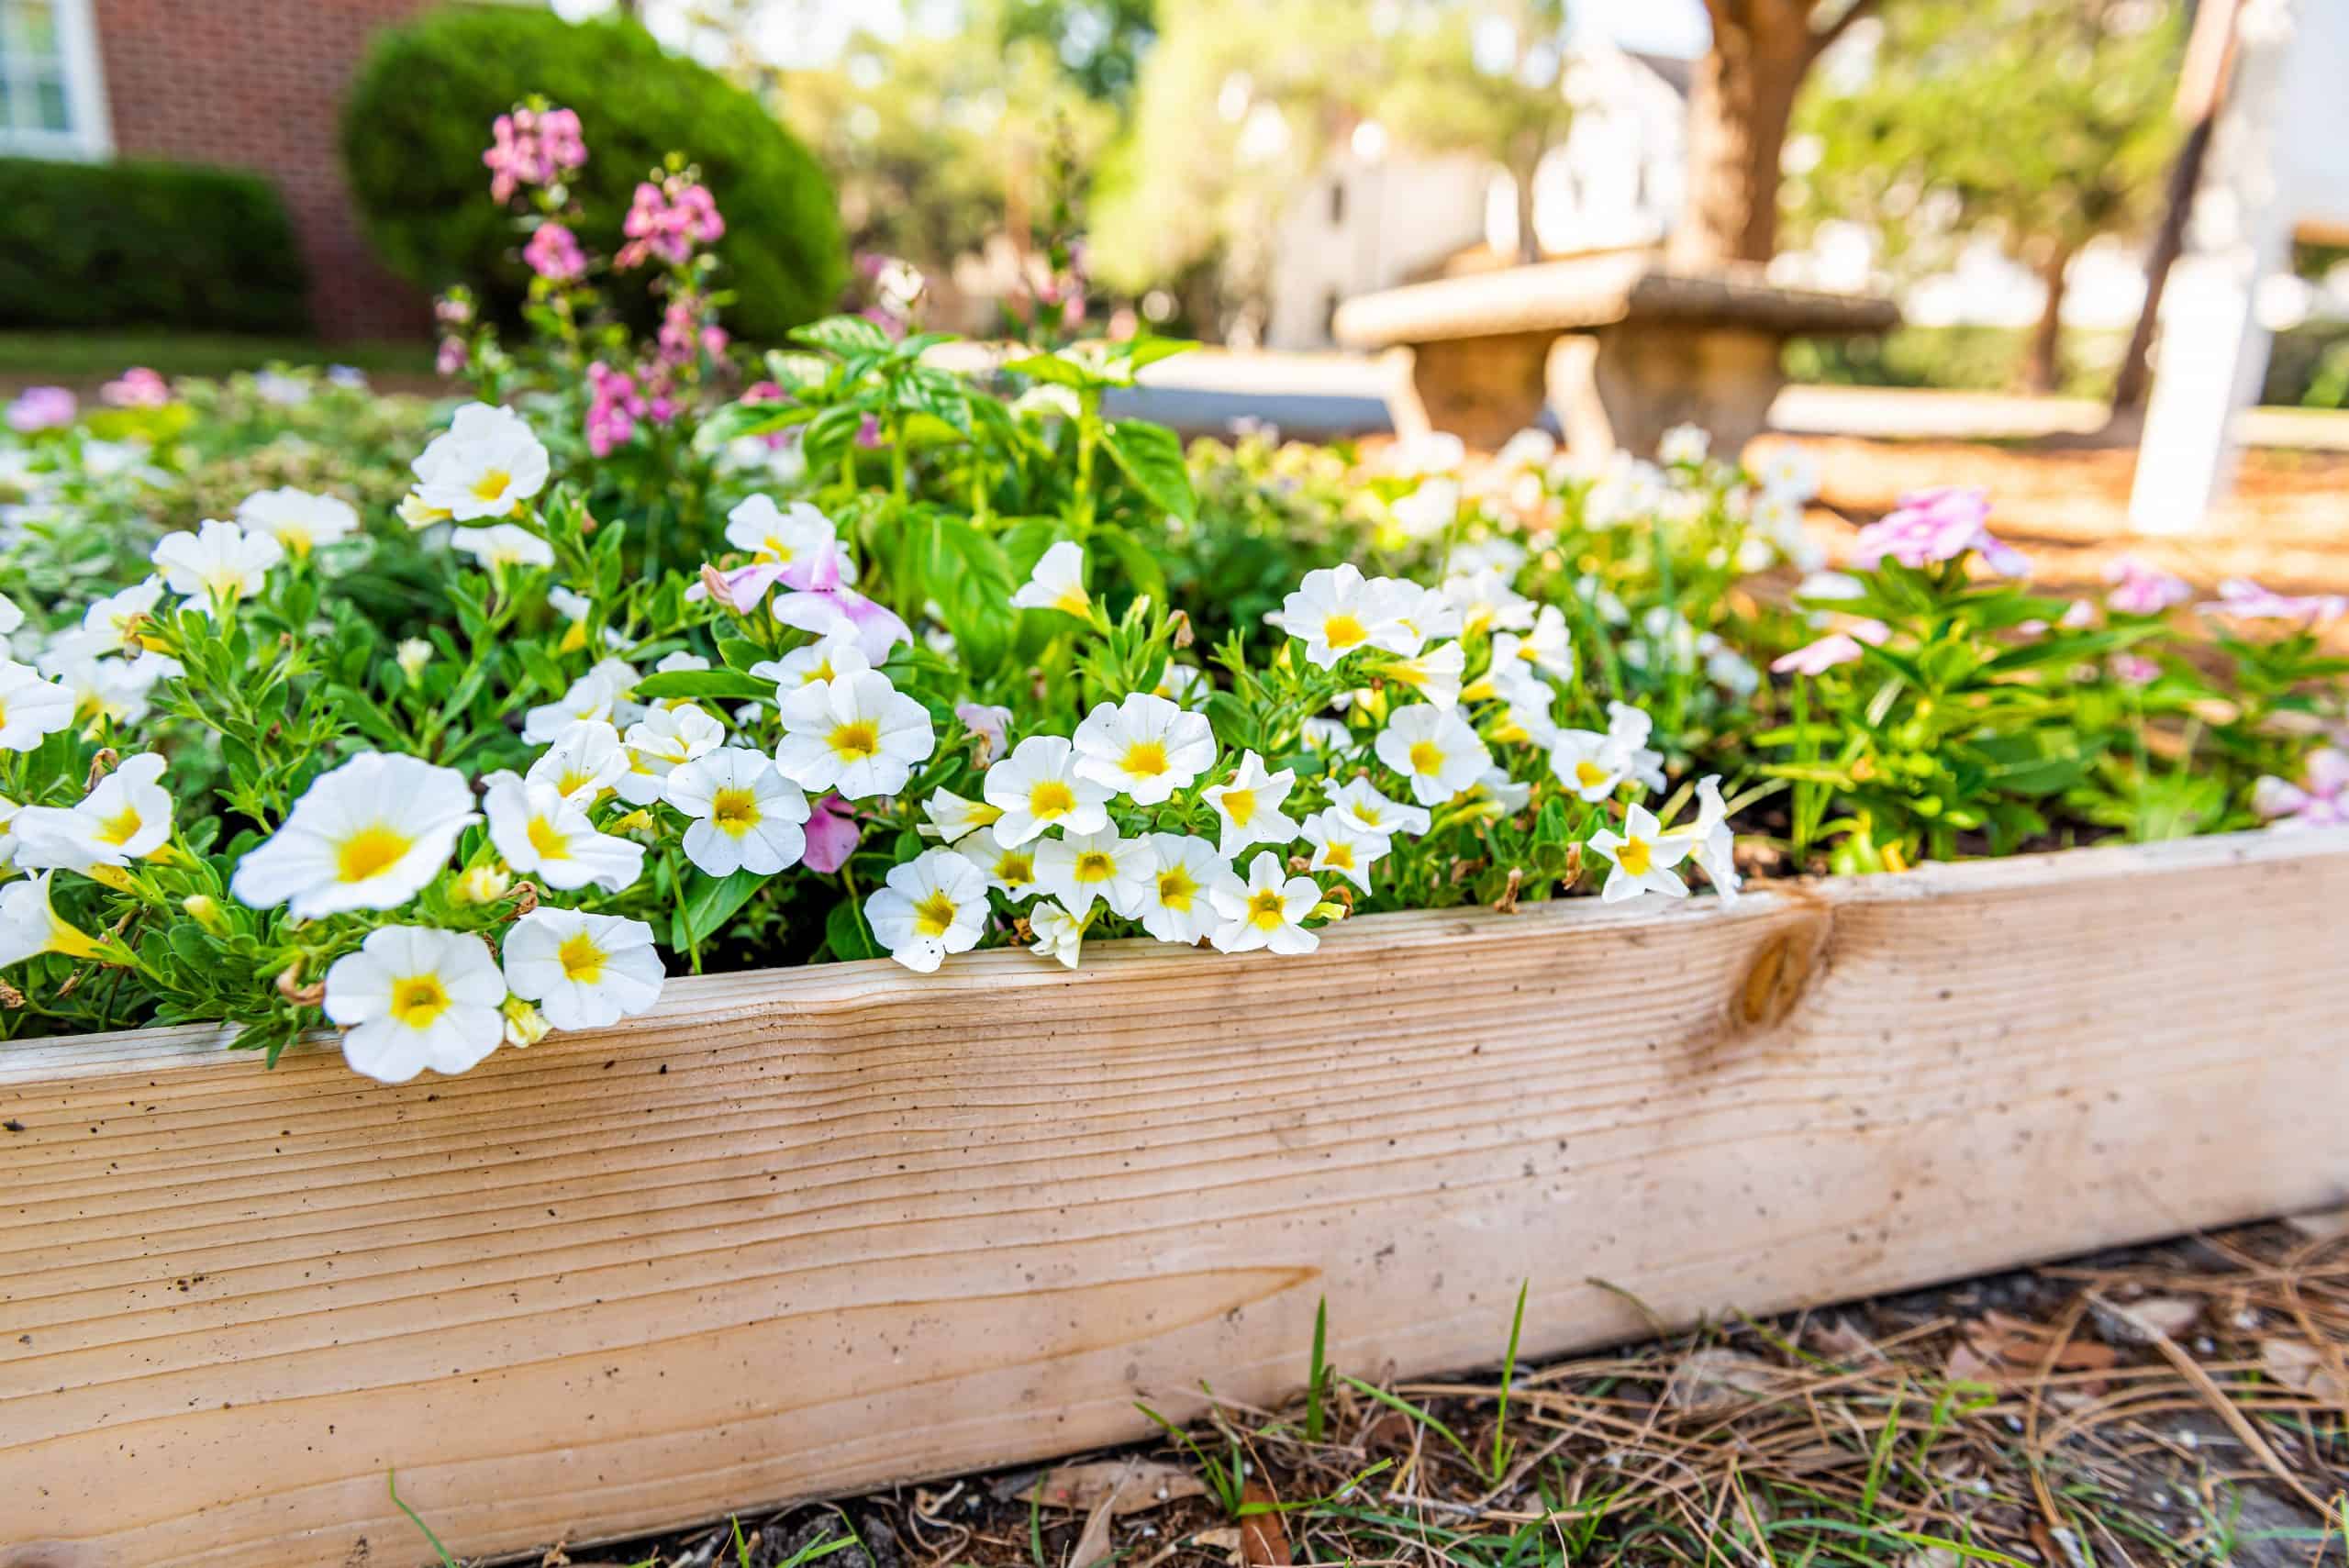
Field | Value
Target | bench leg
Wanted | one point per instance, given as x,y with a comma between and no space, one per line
1482,390
1624,386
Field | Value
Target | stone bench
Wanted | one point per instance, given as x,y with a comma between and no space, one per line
1620,349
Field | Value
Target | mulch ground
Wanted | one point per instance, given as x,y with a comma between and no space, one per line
2187,1403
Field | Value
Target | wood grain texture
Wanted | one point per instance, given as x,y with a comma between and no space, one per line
815,1230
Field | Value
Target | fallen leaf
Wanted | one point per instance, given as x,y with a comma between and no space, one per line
1709,1381
1263,1544
1093,1543
1390,1432
2173,1315
1129,1487
1223,1540
2296,1365
1843,1343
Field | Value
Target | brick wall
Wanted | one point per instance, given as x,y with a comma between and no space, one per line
259,85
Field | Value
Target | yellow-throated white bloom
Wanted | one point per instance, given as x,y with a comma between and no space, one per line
1248,807
858,735
585,760
932,905
1421,615
747,816
1486,601
417,513
1058,934
367,835
1334,612
504,544
1434,749
111,623
1374,813
1683,446
1545,646
585,971
487,465
30,925
1185,684
660,741
412,997
1037,787
216,566
1057,583
595,695
1495,784
128,817
1530,699
298,519
825,658
1434,673
1144,748
1264,911
112,689
796,535
544,834
31,707
954,818
1009,868
1629,728
1077,868
1643,856
412,655
1590,763
1179,904
1710,842
1344,845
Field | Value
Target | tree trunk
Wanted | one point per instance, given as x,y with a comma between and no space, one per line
2044,373
1742,101
1521,171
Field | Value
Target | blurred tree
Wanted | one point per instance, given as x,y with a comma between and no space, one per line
2041,124
1099,44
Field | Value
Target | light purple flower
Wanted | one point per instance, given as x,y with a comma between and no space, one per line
41,408
2246,600
2321,801
2141,590
832,835
823,612
1933,526
742,590
1816,658
138,387
2135,669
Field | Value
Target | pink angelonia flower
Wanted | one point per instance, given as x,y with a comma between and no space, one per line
822,612
2135,669
1818,657
832,835
532,146
2141,590
2321,801
668,220
991,724
553,253
139,387
450,311
450,358
2246,600
1933,526
614,405
41,408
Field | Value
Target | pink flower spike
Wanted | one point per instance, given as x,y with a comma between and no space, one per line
554,255
1818,657
832,835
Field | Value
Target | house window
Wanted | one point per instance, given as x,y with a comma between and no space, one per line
52,102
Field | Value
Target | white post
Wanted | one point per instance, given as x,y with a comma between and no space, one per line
2212,353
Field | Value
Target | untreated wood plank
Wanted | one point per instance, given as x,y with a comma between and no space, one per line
813,1229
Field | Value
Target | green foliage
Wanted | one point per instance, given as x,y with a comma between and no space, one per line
99,246
419,115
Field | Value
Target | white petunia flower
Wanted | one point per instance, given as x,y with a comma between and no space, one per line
217,565
1342,845
1710,842
1486,601
858,735
595,695
954,818
585,971
31,924
1334,612
1434,674
1643,856
1057,583
659,741
1037,787
113,690
1629,728
1590,764
367,835
1545,647
825,658
128,817
1009,870
31,707
794,536
1683,446
1421,615
1322,734
112,622
298,519
585,760
11,618
1360,799
1496,785
1058,934
487,465
1264,911
412,997
8,810
934,905
1077,868
505,544
1248,807
412,655
1434,749
543,833
1144,748
1179,904
747,816
1789,472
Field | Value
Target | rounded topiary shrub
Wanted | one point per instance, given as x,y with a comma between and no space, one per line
418,116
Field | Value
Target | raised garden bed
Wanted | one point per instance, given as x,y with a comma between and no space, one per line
815,1229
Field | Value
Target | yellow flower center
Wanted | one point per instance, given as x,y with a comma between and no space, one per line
1367,815
1074,601
491,484
822,671
1589,774
1338,853
1267,911
1427,757
1051,798
1635,856
121,826
1177,889
855,740
934,914
1342,631
778,551
1015,866
734,811
1094,865
582,960
369,852
419,999
551,841
1147,758
573,779
1240,805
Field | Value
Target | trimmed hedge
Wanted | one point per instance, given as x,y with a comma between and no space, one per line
418,116
96,246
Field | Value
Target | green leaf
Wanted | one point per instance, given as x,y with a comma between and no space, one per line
710,902
741,653
1057,370
725,685
1141,566
1152,456
846,933
843,335
1146,351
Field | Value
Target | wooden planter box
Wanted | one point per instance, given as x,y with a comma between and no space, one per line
819,1229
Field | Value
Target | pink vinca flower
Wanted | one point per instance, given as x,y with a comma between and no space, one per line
2246,600
2135,669
832,835
41,408
1818,657
553,253
1933,526
2321,800
2141,590
138,388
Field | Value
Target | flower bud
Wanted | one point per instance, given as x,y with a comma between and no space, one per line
524,1025
413,655
482,884
205,911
